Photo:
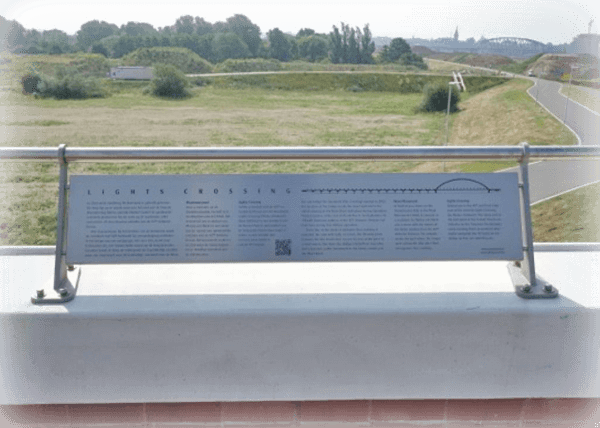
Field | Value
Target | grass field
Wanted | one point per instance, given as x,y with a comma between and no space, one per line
584,96
572,217
225,117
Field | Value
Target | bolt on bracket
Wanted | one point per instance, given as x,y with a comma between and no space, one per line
64,293
540,289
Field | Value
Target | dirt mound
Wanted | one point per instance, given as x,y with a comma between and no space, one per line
422,50
553,66
476,60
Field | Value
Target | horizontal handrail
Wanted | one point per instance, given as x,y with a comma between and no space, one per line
152,154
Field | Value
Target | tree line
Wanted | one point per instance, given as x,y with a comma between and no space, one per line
236,37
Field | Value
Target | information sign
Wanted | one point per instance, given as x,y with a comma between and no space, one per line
293,217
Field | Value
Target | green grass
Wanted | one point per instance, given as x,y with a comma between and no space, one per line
39,123
587,97
224,116
572,217
520,67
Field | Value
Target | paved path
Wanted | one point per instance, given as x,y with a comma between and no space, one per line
553,178
547,179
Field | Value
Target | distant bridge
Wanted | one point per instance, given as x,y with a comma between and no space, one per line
511,46
506,46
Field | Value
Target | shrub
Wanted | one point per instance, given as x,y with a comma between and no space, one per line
72,86
67,83
413,59
182,58
247,65
435,98
565,77
30,82
169,82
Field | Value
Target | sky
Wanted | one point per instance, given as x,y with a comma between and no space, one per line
547,21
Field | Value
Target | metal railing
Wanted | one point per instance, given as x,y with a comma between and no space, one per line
153,154
529,288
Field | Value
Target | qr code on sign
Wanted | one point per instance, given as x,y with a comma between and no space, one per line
283,247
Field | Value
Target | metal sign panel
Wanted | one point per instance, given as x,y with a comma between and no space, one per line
293,217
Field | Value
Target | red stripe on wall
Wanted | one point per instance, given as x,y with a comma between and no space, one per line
530,412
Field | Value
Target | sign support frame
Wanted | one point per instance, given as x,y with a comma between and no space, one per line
527,284
65,283
63,287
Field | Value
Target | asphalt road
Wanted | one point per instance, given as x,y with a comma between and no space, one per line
551,178
548,179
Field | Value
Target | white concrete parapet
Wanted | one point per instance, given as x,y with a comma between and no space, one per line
300,331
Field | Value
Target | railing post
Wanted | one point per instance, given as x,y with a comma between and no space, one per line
525,280
61,290
528,264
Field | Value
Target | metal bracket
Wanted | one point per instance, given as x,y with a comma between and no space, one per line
527,284
540,290
61,289
65,292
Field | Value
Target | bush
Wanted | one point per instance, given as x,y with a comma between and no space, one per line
72,86
169,82
435,98
182,58
30,82
413,59
247,65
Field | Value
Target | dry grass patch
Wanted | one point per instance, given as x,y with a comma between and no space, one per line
207,127
572,217
505,116
584,96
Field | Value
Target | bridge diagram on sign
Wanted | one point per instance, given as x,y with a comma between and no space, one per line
455,185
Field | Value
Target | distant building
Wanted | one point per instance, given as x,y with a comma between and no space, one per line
456,34
586,44
131,73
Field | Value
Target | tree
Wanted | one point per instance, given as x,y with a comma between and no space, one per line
246,30
413,59
345,34
305,32
312,48
337,50
397,48
279,46
352,45
367,46
33,38
230,45
352,52
94,31
203,27
185,24
126,44
12,34
138,29
99,48
55,42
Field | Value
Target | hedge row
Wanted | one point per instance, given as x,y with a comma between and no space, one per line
378,82
247,65
182,58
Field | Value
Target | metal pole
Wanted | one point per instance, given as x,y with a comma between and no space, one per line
294,154
568,94
528,264
447,120
60,268
448,111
